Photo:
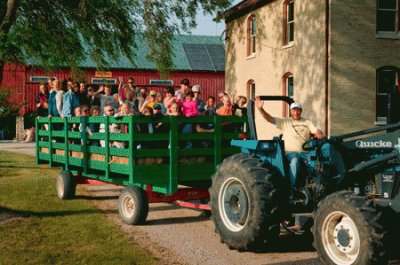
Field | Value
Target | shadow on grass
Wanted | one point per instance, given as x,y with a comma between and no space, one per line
103,190
26,214
96,198
16,166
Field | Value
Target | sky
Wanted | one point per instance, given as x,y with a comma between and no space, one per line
206,25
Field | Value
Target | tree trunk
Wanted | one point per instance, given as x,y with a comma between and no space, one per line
8,19
1,71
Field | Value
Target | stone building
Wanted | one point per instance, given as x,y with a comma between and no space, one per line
340,59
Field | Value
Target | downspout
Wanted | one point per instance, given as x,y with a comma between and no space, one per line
327,10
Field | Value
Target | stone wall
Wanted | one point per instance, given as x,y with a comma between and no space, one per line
305,59
355,53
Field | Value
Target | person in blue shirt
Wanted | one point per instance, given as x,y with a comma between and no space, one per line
71,100
55,99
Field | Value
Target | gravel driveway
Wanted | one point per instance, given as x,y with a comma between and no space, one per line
186,236
176,235
18,147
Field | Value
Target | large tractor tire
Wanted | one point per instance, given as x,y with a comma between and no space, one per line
133,206
348,230
246,198
66,185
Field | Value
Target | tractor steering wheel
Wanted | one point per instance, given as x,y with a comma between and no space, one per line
314,144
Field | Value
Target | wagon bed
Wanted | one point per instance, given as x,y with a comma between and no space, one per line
160,169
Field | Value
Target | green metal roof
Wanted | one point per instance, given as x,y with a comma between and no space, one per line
182,59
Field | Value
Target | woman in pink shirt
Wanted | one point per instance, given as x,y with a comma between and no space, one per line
189,109
189,106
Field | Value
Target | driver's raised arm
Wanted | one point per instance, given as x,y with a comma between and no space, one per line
259,104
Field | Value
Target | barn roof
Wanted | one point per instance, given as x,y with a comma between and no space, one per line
190,53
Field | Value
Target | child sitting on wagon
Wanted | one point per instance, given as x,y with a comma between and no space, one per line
189,109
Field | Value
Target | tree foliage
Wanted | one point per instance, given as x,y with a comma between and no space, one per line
53,32
7,107
8,112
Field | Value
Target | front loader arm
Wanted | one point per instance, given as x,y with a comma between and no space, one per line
367,166
364,165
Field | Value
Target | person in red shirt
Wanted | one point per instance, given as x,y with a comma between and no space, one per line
42,101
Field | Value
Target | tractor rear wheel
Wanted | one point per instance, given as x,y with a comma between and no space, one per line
348,230
133,206
65,185
246,198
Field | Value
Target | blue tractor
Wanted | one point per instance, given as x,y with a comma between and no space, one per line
348,191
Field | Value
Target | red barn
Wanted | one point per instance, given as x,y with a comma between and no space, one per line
201,59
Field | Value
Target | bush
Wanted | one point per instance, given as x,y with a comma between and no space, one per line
29,119
8,112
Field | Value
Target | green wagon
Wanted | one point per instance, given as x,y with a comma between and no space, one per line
153,167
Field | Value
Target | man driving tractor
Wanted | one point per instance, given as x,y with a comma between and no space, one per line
296,131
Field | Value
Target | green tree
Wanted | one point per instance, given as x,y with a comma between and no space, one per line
8,112
52,32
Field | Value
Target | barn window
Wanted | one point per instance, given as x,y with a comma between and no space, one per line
97,80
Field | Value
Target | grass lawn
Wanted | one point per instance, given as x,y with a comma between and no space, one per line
38,228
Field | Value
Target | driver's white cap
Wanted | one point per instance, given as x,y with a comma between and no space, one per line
295,105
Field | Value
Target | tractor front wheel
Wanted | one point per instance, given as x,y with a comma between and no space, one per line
245,201
65,185
133,206
347,231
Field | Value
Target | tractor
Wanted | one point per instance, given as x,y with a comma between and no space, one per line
346,196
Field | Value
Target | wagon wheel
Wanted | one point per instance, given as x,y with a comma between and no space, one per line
65,185
133,206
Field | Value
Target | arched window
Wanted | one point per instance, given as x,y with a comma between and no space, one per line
288,90
288,22
387,95
251,34
251,89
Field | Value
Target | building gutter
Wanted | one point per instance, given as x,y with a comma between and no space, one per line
243,8
327,17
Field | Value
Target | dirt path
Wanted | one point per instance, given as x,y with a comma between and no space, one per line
185,236
18,147
176,235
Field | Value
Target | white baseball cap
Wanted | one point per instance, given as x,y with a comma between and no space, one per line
196,88
295,105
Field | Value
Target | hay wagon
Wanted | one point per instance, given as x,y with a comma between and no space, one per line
154,166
